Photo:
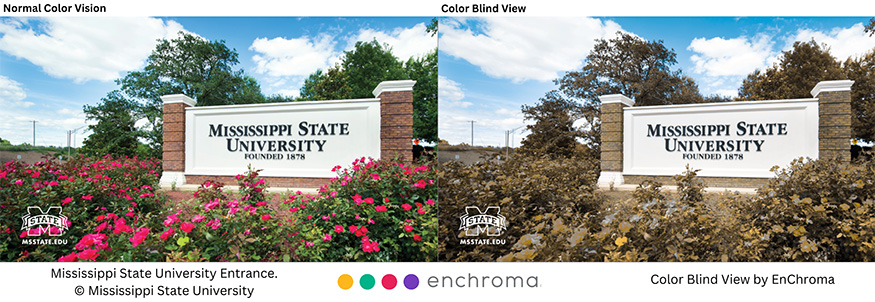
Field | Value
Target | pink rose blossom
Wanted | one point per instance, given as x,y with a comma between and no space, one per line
186,227
167,234
89,254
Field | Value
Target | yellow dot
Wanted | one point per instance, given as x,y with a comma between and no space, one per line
345,281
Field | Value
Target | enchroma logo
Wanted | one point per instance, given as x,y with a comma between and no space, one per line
37,222
476,222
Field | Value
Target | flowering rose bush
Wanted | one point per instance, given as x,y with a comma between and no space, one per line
373,211
212,228
387,211
85,188
218,228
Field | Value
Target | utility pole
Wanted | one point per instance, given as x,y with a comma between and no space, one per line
472,133
69,140
507,140
506,143
34,134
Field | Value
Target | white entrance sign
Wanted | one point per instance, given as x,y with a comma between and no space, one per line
735,139
297,139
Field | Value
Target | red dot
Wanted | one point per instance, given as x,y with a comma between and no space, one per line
389,281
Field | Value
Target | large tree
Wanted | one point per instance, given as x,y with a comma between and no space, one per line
553,132
365,66
794,75
359,71
114,132
424,71
862,71
627,65
368,64
196,67
634,67
190,65
808,63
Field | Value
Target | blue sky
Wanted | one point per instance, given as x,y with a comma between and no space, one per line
51,67
490,67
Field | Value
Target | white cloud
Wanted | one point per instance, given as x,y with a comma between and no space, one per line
11,94
65,111
727,92
280,57
731,57
843,42
405,42
85,49
286,62
524,49
725,62
450,94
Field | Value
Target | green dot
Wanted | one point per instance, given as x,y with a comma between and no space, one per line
367,281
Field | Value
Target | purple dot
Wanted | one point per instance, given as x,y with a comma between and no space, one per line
411,281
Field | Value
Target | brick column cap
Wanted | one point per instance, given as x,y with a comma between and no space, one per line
178,98
831,86
616,98
386,86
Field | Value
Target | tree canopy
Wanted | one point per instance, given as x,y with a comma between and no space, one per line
365,66
114,132
553,132
807,63
188,64
794,75
198,68
862,71
627,65
634,67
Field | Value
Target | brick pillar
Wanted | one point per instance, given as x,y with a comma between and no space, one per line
396,118
612,138
174,139
834,127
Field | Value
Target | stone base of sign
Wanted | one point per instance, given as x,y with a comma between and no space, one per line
273,182
607,179
170,179
723,182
